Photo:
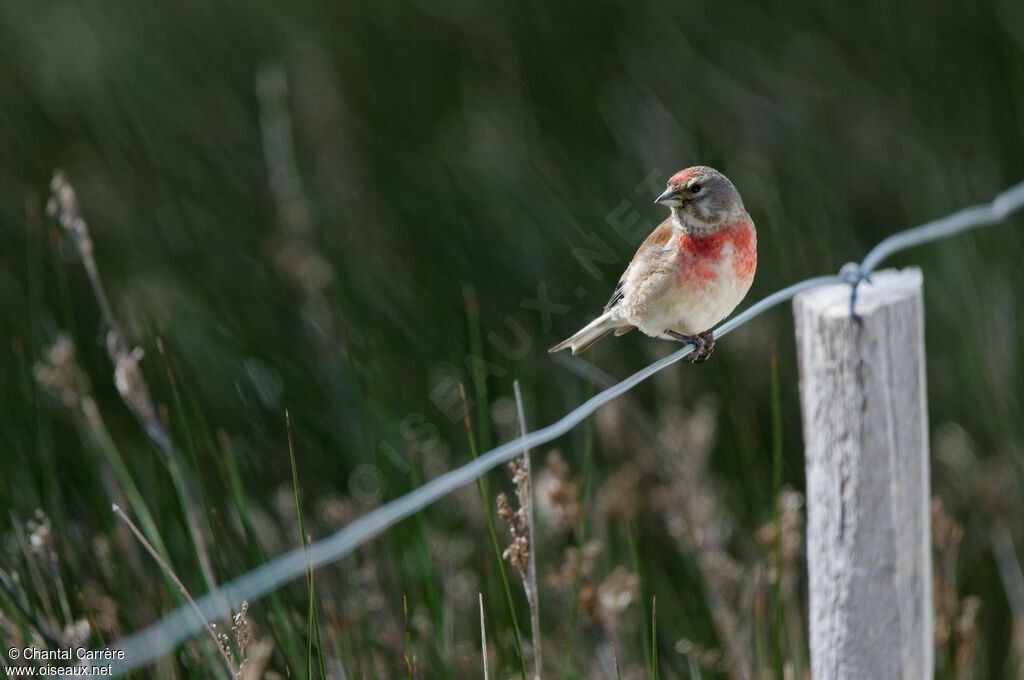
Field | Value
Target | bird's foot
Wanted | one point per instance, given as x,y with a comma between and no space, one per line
705,343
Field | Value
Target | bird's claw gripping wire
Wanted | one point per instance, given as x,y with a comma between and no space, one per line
705,345
853,273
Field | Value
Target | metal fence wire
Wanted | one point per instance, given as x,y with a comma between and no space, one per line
144,646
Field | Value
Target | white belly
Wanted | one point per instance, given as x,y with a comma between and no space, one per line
667,300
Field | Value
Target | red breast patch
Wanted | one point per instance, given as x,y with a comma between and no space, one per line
700,254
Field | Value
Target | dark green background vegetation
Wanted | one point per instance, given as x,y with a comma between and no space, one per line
454,151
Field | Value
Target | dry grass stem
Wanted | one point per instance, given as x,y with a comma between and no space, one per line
253,655
518,551
128,378
210,628
523,480
483,634
253,665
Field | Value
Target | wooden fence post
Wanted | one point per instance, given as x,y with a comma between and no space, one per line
862,391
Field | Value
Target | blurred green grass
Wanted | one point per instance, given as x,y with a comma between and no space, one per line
440,145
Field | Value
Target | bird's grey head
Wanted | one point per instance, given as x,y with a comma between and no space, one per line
702,199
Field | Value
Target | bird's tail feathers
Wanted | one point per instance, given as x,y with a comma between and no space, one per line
591,333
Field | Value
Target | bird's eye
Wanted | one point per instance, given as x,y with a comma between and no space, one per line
695,188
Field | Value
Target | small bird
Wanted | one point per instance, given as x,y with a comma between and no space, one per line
689,273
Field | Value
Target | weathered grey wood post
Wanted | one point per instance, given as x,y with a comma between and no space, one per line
862,390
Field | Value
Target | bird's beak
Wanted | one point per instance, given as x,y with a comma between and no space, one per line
669,198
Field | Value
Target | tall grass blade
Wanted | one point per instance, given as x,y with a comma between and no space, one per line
492,532
313,622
